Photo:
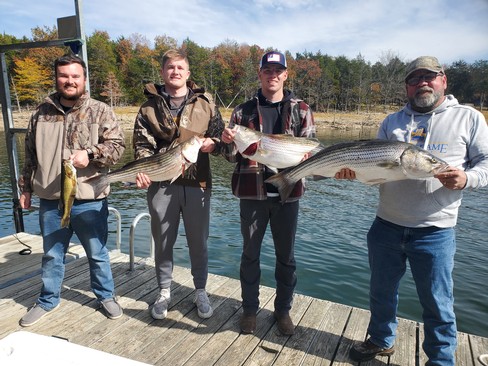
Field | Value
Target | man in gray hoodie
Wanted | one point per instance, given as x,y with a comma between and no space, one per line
416,218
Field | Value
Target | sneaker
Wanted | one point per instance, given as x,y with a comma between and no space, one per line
285,324
34,314
160,307
366,351
203,304
111,308
248,323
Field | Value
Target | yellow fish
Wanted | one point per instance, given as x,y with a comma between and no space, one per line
68,190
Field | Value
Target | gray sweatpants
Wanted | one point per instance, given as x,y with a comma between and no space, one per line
166,203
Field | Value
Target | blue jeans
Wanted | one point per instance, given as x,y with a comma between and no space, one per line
89,222
430,253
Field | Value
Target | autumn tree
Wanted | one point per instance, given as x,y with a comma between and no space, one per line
45,56
119,69
137,66
308,73
111,90
162,44
32,80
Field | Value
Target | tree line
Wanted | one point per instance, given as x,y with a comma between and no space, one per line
118,69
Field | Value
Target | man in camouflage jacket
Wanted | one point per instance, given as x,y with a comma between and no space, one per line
174,112
71,125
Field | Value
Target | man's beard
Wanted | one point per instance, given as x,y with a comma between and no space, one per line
425,102
69,96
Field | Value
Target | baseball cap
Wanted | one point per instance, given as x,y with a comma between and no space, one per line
429,63
273,57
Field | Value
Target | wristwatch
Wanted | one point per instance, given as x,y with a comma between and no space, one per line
90,154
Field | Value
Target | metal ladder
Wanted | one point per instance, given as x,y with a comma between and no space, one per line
118,238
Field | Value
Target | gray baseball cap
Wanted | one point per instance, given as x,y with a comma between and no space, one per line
429,63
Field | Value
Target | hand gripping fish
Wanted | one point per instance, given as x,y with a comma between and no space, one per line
69,185
275,151
167,165
373,161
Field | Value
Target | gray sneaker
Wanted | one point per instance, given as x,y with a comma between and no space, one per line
160,307
111,308
203,304
34,314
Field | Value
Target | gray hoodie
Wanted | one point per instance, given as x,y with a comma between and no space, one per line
455,133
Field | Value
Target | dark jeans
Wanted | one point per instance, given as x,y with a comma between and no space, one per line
255,216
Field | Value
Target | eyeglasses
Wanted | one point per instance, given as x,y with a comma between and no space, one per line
427,77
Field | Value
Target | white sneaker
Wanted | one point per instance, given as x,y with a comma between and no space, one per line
203,304
160,307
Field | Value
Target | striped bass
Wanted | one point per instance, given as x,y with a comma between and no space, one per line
373,161
69,185
167,165
275,151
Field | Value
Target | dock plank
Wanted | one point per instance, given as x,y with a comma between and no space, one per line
324,334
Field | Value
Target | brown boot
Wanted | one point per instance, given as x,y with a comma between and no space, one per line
285,325
248,323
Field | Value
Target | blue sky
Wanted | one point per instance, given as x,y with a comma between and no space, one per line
452,30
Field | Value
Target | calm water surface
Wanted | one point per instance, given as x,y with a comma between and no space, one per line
331,249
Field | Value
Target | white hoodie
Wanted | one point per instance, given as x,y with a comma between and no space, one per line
455,133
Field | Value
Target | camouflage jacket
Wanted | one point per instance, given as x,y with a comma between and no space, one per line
155,129
248,176
54,135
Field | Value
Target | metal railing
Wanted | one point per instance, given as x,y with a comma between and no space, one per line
131,239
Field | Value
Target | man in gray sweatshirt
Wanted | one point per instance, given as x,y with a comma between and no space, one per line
416,218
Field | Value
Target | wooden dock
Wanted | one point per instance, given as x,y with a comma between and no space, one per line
324,333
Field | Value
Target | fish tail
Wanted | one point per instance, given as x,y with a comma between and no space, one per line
98,183
283,183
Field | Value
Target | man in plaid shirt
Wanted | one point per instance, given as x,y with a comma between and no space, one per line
274,110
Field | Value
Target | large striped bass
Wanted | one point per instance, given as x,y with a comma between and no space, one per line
275,151
167,165
69,186
373,161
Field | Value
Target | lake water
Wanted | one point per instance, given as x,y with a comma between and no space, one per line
331,251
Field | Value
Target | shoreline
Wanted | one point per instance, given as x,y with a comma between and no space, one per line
344,121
